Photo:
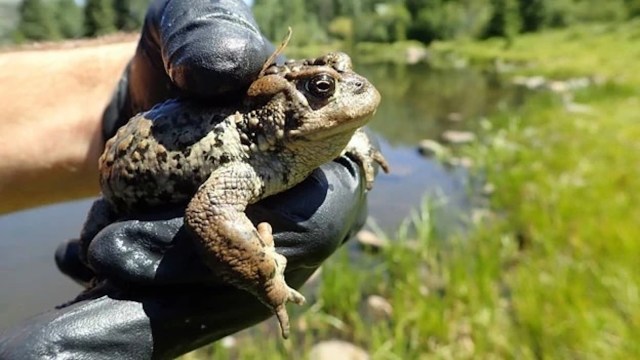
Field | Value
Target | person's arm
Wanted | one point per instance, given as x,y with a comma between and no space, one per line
51,120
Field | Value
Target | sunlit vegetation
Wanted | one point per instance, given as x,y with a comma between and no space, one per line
551,269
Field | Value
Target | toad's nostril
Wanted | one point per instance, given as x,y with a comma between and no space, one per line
359,84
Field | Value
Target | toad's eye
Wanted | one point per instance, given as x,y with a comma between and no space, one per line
322,85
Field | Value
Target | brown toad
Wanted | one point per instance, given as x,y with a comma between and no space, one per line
218,160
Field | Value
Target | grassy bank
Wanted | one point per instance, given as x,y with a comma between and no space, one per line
553,273
568,185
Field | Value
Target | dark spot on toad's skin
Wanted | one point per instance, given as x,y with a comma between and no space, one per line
224,158
162,156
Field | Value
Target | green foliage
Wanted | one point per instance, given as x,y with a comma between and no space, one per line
633,7
437,20
533,14
129,14
275,16
599,11
505,19
100,17
69,19
36,23
447,19
320,21
552,275
341,28
396,20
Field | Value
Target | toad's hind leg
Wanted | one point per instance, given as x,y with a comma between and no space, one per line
276,285
232,246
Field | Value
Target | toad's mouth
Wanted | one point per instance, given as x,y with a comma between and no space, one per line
330,128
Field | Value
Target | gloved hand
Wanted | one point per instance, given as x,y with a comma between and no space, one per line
201,48
159,300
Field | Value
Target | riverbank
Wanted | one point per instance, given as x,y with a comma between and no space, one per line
550,269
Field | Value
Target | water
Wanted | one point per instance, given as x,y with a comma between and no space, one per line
418,103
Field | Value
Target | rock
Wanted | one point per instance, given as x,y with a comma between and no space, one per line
379,308
463,162
337,350
229,342
488,189
431,148
458,137
531,83
454,117
416,54
558,87
573,107
368,239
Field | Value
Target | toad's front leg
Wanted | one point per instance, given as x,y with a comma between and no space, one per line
232,246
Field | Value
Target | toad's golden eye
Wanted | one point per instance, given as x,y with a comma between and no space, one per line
322,86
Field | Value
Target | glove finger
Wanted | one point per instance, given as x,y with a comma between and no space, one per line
67,258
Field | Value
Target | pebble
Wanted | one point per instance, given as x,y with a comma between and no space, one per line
337,350
379,308
464,162
416,54
458,137
431,148
229,342
368,239
488,189
454,117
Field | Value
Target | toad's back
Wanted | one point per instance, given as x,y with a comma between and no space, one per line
162,156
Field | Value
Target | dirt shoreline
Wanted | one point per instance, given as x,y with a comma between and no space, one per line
72,44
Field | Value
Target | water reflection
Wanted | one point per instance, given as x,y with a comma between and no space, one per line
417,103
421,103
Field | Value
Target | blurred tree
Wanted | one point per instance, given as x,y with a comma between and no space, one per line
325,10
633,7
341,28
99,17
599,11
560,13
36,22
396,19
533,14
275,16
69,19
434,20
129,14
505,19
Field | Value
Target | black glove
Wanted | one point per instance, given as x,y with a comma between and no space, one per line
159,300
199,48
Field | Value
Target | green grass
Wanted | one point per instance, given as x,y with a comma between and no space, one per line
554,273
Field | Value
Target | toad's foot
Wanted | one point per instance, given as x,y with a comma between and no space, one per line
277,292
361,149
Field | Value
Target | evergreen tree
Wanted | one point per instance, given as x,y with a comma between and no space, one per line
36,22
533,14
504,20
99,17
129,13
633,7
69,19
275,16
